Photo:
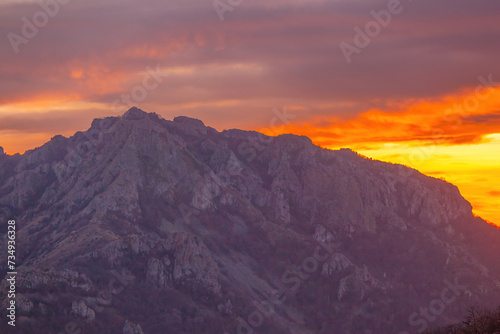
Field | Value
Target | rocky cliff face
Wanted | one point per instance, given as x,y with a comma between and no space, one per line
143,225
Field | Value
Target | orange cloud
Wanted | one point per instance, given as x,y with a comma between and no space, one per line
450,121
446,138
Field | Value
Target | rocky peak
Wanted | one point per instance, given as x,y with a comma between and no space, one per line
202,226
134,114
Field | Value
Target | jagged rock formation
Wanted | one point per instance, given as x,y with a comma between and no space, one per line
143,225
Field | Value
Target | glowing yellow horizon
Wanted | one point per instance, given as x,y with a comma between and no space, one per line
451,138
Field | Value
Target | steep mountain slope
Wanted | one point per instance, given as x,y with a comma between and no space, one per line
143,225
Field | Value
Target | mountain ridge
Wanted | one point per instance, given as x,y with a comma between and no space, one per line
208,225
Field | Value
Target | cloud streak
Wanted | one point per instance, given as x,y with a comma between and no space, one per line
97,48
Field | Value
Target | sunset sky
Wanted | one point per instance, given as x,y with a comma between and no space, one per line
411,82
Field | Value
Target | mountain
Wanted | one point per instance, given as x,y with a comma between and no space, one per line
144,225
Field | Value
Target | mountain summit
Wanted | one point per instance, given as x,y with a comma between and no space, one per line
144,225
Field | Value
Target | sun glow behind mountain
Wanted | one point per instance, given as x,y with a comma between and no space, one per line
444,139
